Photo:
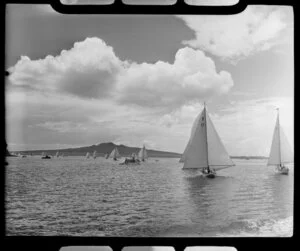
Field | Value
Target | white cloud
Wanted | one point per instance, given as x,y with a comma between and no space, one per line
233,37
92,70
191,78
87,70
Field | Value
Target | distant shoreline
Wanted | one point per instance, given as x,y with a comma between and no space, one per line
106,148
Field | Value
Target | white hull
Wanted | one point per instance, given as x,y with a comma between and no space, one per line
283,170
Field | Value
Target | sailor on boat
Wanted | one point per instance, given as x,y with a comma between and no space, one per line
133,159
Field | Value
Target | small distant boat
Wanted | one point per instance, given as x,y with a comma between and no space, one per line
95,154
46,157
143,154
57,154
281,152
115,154
205,149
87,155
133,160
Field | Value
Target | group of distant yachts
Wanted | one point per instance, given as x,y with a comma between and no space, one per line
115,155
205,150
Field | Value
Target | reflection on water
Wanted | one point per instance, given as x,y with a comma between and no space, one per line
76,196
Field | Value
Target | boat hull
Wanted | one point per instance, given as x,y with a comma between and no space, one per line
210,175
284,170
46,157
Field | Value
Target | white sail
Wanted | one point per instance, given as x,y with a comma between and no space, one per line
191,137
143,154
87,155
195,154
205,148
287,155
115,154
274,157
280,152
218,157
57,154
95,154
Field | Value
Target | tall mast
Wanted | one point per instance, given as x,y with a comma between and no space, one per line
278,125
206,135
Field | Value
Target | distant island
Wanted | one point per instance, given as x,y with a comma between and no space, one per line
249,157
104,148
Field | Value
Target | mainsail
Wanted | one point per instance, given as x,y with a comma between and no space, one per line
205,148
281,151
143,154
57,154
114,154
95,154
87,155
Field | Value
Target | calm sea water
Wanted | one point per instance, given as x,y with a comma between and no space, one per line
98,197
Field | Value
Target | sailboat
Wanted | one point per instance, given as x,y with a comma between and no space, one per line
205,149
143,154
57,154
132,160
115,154
87,155
95,154
281,152
45,156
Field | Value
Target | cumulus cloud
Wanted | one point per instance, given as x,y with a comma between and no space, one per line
191,78
233,37
92,70
89,69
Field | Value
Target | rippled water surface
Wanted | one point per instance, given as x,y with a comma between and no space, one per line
99,197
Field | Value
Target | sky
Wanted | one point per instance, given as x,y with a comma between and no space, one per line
80,80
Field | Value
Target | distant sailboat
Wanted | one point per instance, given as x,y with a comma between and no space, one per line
115,154
281,152
95,154
57,154
45,156
87,155
205,149
143,154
